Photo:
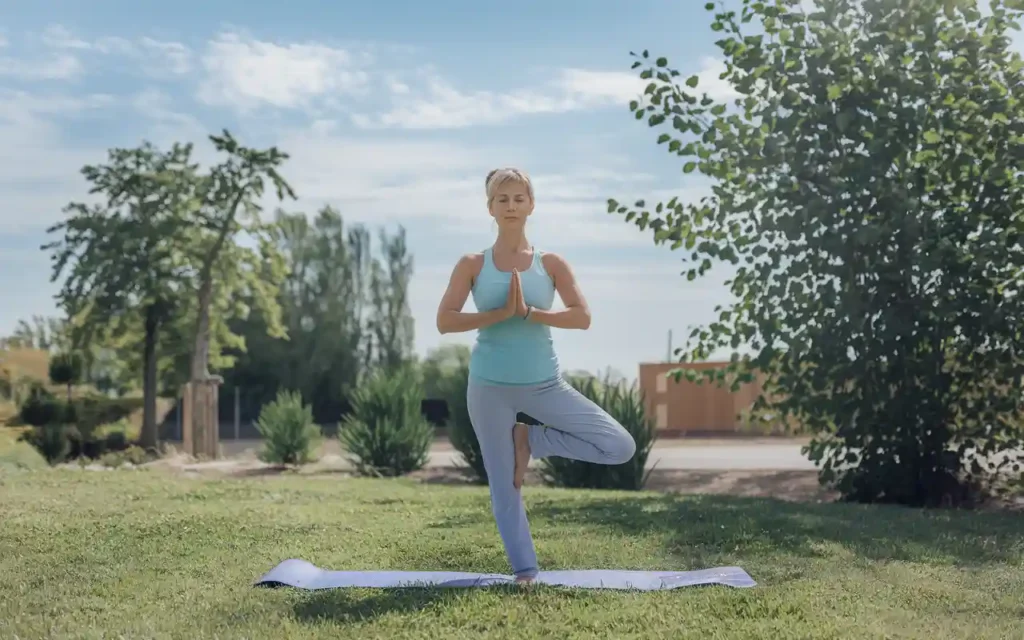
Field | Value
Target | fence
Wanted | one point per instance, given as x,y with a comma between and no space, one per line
239,409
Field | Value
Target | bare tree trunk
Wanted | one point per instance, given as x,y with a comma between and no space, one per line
200,369
204,386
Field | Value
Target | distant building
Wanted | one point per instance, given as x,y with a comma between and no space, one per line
687,408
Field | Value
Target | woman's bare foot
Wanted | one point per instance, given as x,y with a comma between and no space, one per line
521,441
525,579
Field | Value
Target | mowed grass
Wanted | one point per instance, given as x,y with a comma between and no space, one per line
144,554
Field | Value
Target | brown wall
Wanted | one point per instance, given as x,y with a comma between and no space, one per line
686,407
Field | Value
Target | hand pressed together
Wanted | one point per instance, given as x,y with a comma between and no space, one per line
515,304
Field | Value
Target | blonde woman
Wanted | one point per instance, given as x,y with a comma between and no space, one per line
514,367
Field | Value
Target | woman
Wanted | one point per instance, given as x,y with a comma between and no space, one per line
514,367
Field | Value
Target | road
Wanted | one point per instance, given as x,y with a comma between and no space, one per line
669,455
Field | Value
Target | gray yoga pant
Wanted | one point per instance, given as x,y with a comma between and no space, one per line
574,427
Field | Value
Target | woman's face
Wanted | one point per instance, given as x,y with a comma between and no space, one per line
511,205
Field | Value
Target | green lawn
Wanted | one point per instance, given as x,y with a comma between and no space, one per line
142,554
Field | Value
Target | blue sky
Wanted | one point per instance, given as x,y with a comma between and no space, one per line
393,112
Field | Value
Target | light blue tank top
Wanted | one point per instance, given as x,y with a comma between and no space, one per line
513,351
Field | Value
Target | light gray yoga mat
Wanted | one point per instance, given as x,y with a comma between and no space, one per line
304,575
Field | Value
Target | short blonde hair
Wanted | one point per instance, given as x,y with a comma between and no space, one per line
498,177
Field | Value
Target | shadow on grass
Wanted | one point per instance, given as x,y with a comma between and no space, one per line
717,529
359,605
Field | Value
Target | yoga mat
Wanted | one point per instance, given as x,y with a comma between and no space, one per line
304,575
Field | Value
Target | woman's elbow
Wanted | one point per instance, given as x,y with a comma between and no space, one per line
584,318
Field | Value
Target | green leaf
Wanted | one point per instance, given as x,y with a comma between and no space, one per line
692,81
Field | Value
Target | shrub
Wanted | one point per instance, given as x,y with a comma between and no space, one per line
132,455
66,369
290,436
460,430
626,405
386,434
51,441
41,407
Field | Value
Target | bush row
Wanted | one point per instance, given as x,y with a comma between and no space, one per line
86,427
386,435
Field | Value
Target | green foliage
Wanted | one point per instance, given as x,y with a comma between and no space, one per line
867,203
626,405
290,436
41,407
386,434
440,364
52,441
329,312
228,206
65,368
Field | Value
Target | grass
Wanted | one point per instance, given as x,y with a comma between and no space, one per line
148,554
17,456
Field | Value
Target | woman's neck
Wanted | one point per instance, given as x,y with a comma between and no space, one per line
511,242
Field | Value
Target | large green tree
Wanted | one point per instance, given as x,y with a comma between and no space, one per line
229,215
867,195
122,259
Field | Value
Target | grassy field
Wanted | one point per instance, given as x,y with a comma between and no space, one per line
146,554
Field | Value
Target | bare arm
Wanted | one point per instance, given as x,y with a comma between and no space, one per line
576,314
450,316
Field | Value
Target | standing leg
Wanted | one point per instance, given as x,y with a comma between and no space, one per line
574,427
493,415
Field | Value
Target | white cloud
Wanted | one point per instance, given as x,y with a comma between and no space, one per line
619,87
58,67
440,184
434,103
153,57
38,169
244,73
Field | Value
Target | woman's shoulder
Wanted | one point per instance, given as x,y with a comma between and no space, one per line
470,263
552,260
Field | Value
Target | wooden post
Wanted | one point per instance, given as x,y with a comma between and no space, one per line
185,419
201,418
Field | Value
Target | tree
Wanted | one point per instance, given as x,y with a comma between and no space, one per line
390,321
229,207
866,193
66,369
123,257
440,364
42,332
329,312
321,299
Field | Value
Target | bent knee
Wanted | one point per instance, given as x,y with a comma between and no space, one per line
624,448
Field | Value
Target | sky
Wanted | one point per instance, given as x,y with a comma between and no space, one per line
393,112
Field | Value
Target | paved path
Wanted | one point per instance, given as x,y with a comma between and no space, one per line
669,455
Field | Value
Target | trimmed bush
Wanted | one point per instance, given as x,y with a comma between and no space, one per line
41,407
452,388
386,434
52,441
290,436
626,405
